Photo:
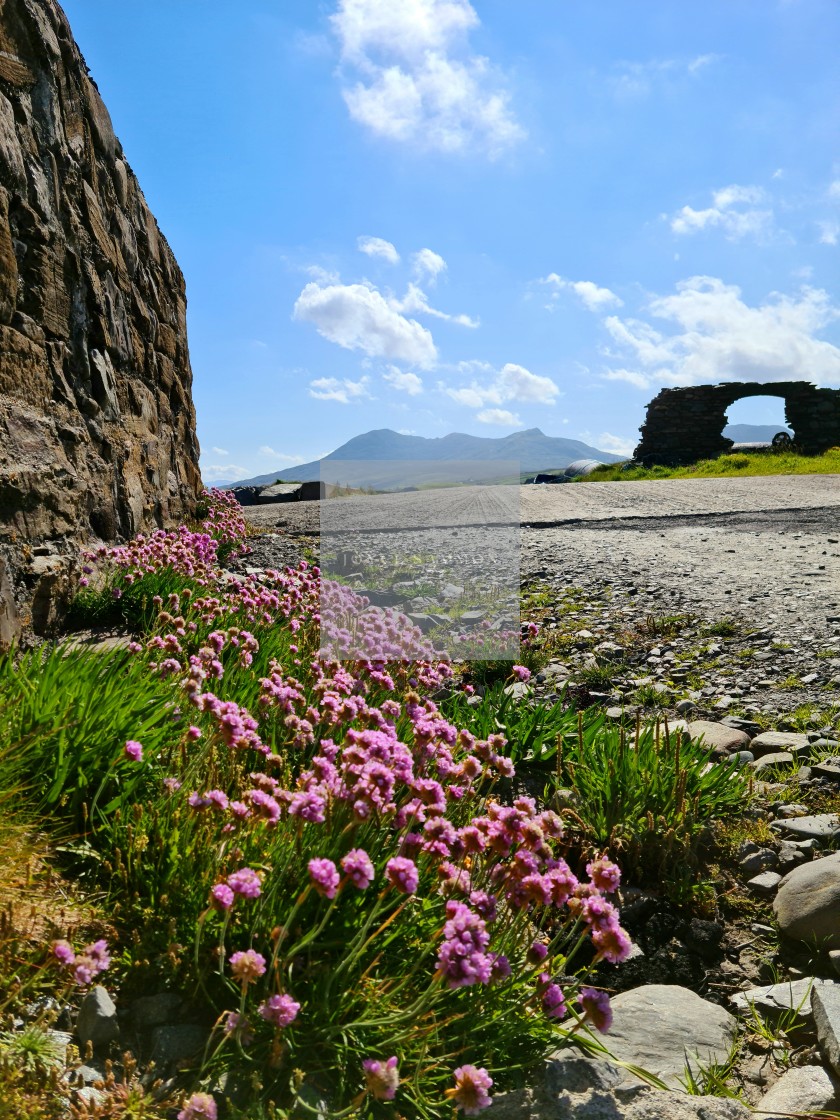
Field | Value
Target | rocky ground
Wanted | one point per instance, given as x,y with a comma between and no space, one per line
714,604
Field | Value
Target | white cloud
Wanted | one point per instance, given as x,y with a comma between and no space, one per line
428,265
418,80
829,232
405,382
220,451
618,445
638,79
592,297
736,210
223,470
834,189
719,337
343,391
511,383
378,247
358,317
322,275
270,453
416,302
499,416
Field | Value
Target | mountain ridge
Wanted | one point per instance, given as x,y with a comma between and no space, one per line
531,448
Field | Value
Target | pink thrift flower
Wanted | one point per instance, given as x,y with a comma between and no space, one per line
521,673
245,882
247,966
554,1002
63,952
358,868
193,732
279,1010
134,750
382,1079
612,943
596,1008
238,1025
221,896
537,953
402,873
200,1106
324,876
470,1092
604,874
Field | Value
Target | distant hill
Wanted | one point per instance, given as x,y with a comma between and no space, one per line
355,461
753,433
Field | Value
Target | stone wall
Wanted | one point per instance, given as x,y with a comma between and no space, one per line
684,425
97,425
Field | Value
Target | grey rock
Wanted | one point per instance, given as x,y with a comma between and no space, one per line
825,1004
766,761
760,860
795,995
97,1022
153,1011
769,742
719,735
821,826
765,884
826,770
600,1104
174,1044
685,707
90,1072
800,1090
661,1026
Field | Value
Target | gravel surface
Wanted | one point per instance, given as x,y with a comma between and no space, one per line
765,548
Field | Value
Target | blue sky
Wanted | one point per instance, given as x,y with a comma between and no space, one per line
436,215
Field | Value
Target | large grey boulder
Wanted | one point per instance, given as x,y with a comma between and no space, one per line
662,1027
807,906
800,1090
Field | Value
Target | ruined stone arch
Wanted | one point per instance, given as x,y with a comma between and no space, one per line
684,425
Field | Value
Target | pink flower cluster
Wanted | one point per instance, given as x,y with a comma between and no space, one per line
85,966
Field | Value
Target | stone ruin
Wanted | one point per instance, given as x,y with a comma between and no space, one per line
97,425
684,425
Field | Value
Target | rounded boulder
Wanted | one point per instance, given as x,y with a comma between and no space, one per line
807,906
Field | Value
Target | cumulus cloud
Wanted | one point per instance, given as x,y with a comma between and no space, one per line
220,451
270,453
499,416
738,211
333,389
359,317
223,470
834,189
405,382
511,383
378,247
590,294
418,80
618,445
717,336
829,232
428,265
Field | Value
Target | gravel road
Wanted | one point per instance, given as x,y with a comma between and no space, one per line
767,548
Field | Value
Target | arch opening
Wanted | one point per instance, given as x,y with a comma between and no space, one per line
756,419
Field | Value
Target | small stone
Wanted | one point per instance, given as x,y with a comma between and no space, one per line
97,1022
821,826
795,995
766,761
766,884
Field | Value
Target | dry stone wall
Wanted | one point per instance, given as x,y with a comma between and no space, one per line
97,425
684,425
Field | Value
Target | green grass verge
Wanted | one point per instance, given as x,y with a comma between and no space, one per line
736,464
